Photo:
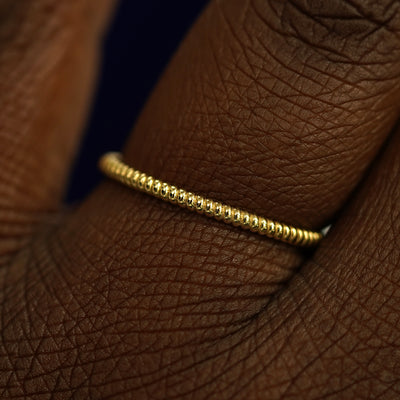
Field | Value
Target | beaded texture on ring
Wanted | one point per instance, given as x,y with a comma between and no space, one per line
111,164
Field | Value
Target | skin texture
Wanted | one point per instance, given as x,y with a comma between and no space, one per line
286,108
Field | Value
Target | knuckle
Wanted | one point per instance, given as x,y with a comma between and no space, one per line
346,31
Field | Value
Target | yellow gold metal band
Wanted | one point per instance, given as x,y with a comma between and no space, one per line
112,165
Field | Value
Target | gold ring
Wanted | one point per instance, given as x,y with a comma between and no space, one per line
111,164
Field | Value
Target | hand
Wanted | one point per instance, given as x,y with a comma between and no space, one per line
279,107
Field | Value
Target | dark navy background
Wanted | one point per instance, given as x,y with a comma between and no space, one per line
139,43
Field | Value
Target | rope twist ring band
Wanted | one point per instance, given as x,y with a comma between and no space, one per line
111,164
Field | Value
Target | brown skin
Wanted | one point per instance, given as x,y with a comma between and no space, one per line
274,106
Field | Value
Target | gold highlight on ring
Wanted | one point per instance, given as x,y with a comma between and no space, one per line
113,166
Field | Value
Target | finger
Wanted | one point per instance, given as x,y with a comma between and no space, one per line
267,114
263,109
48,59
162,303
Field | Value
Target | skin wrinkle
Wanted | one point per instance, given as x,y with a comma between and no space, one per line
350,31
175,261
139,266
